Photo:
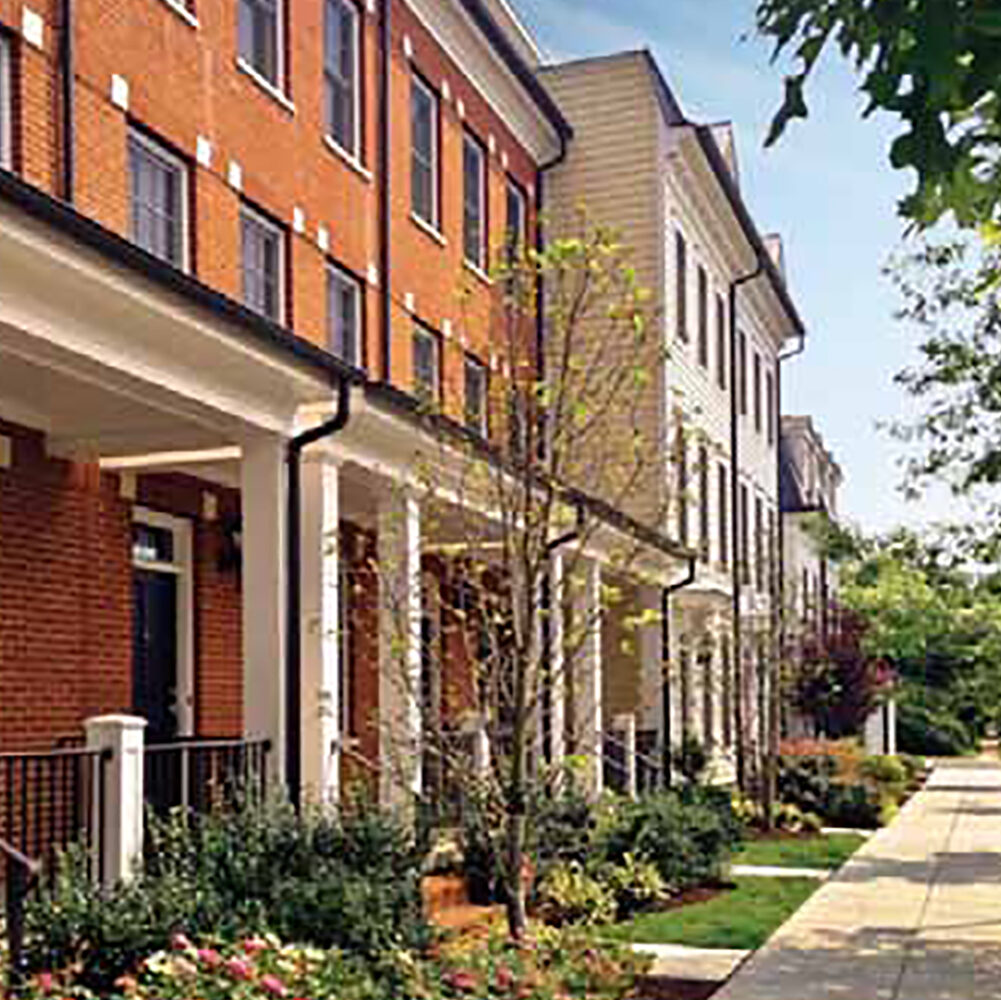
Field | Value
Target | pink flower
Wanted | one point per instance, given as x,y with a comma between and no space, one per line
180,942
45,982
185,968
254,944
504,978
238,968
210,957
274,986
462,980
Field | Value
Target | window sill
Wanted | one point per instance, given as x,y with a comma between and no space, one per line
277,95
177,6
428,229
479,272
349,159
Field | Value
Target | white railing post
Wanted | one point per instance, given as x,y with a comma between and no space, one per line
626,724
121,805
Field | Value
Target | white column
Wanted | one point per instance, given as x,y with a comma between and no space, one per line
321,631
626,725
651,662
399,648
121,811
557,660
587,682
263,500
891,722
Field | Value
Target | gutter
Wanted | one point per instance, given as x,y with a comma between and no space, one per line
665,659
738,371
385,220
68,163
293,584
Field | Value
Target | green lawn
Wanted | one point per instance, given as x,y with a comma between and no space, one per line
821,851
744,917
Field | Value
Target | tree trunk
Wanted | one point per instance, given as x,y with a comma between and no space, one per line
517,920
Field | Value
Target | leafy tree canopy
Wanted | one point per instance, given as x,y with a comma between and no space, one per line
934,64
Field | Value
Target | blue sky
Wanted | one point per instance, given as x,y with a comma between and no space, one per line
827,188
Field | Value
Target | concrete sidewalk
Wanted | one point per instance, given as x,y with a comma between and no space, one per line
915,915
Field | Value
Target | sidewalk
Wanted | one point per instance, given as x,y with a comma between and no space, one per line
915,915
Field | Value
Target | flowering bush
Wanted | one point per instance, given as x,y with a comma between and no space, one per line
551,966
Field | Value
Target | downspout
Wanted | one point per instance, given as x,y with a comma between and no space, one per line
665,659
738,539
66,101
293,583
780,571
385,221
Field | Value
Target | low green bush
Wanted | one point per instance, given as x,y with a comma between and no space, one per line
350,881
569,894
883,770
814,785
923,729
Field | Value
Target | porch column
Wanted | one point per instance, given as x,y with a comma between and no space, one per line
400,653
651,707
557,661
587,676
321,631
264,598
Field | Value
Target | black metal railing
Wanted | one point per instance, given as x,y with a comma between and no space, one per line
20,874
203,775
649,762
647,765
52,800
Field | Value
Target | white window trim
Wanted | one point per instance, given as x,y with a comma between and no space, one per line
471,361
275,88
356,83
349,159
6,139
272,90
477,266
435,222
160,150
264,222
181,567
513,187
423,331
346,276
178,7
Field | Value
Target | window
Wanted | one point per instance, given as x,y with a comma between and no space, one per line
516,230
703,318
340,72
681,289
742,373
6,105
760,558
159,200
724,522
745,541
344,315
757,392
770,404
476,396
260,37
424,152
682,460
722,348
263,245
426,366
474,228
708,702
704,503
727,699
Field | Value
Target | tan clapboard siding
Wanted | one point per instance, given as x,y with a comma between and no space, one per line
612,170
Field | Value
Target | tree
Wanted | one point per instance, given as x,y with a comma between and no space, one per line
568,446
934,64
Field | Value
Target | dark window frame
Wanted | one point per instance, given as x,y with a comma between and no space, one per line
478,423
722,348
704,540
419,85
276,9
251,215
758,414
723,487
681,459
703,296
421,331
337,273
681,286
742,372
744,542
771,407
472,144
143,146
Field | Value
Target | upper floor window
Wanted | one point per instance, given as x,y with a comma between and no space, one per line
681,286
704,503
743,544
6,105
742,373
681,457
424,152
260,37
703,318
757,392
344,315
263,250
474,202
476,396
340,71
427,366
723,509
159,200
721,344
770,407
516,229
760,555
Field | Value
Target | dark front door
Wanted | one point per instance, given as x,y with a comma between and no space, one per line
154,661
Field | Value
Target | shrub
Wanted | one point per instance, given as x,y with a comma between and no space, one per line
924,730
883,770
816,785
692,759
570,895
636,885
349,882
688,835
